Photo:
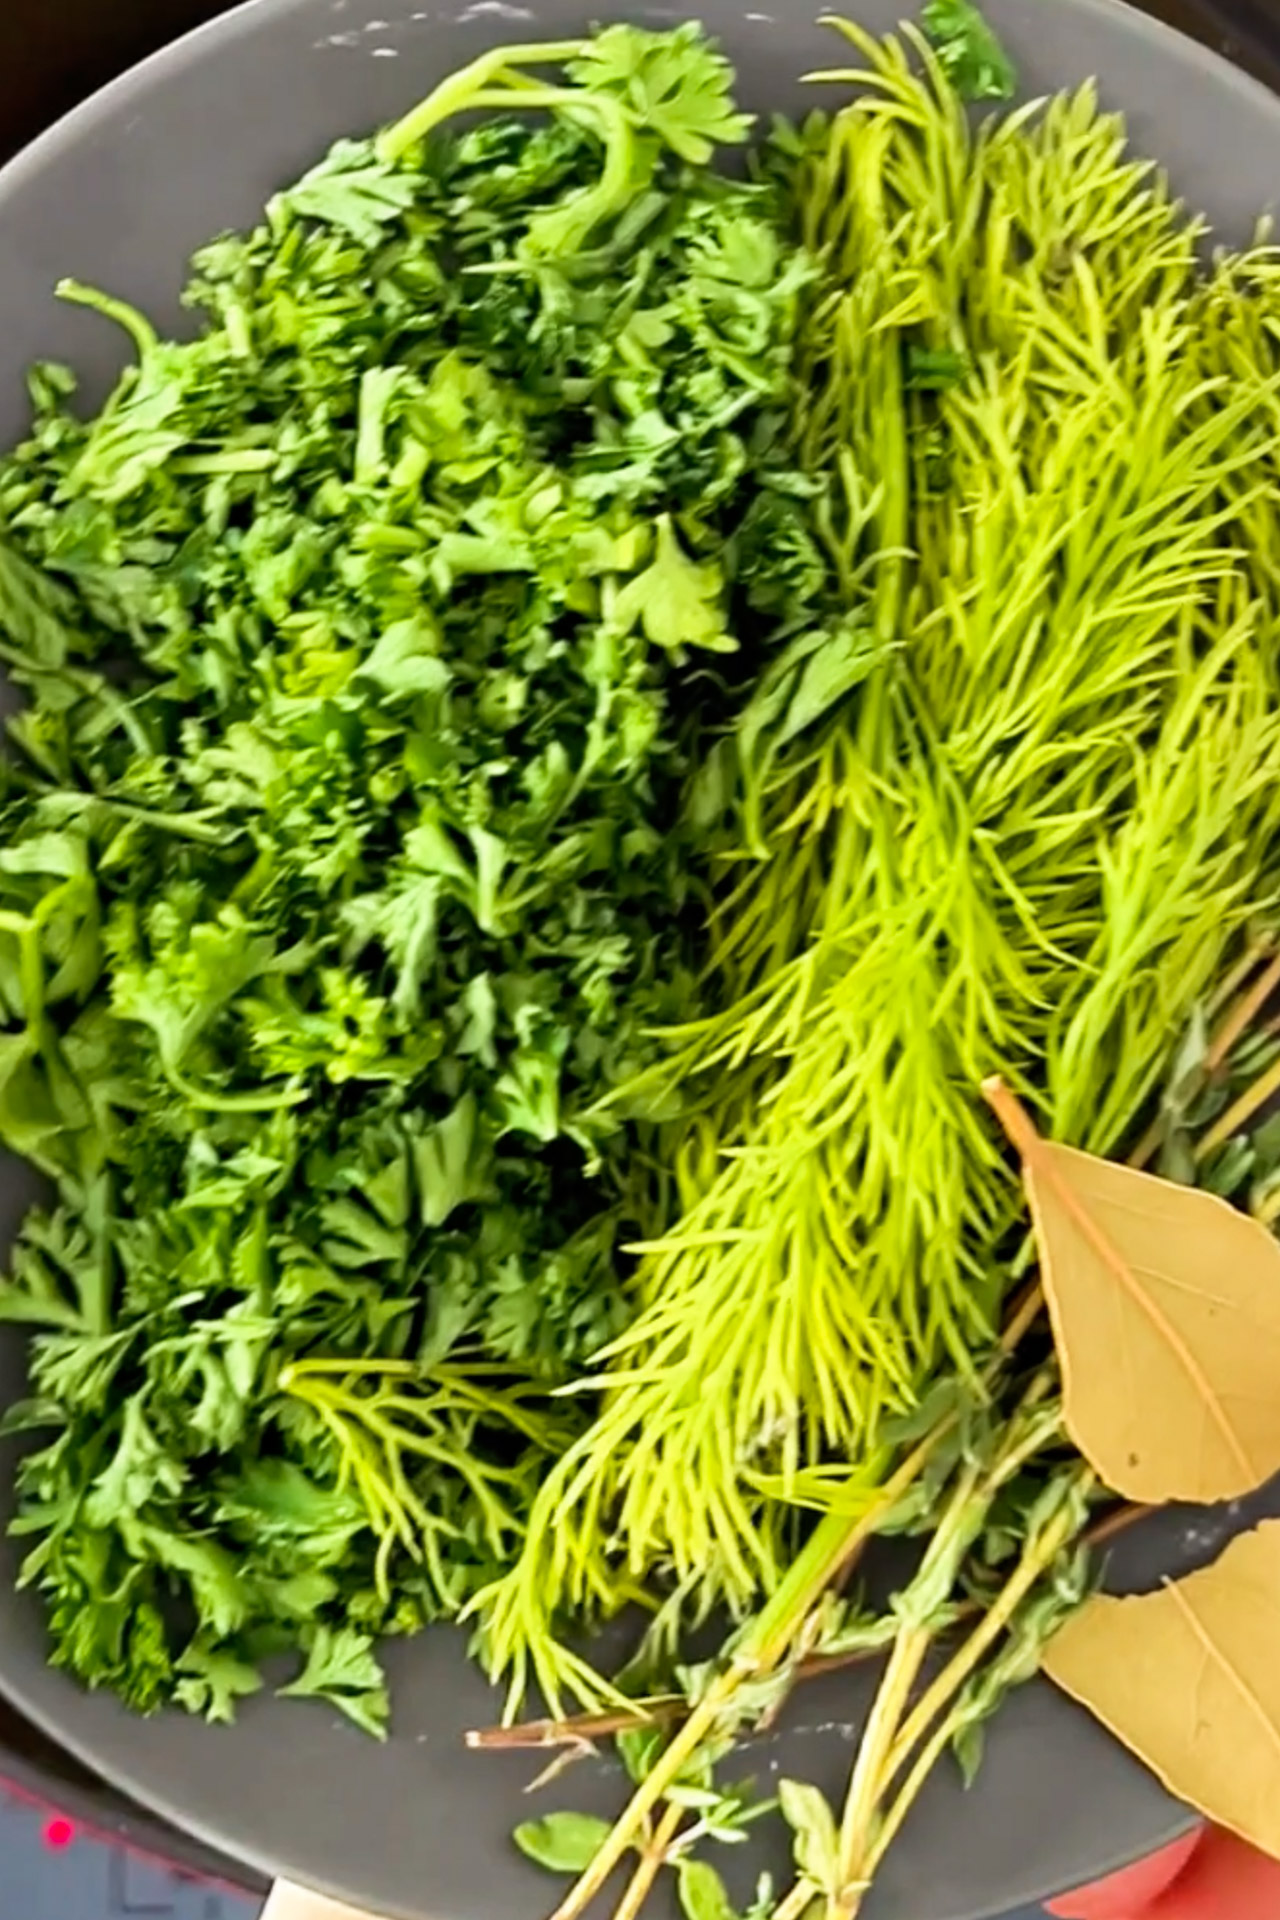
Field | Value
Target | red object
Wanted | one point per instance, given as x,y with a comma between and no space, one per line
1209,1875
1124,1895
65,1832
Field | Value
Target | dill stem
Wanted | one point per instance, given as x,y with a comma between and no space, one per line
652,1856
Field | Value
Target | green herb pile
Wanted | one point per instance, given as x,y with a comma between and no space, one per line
368,643
1044,448
565,734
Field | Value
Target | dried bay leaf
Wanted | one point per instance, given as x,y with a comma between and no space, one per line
1188,1679
1165,1304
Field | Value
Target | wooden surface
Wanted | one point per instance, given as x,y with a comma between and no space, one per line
287,1902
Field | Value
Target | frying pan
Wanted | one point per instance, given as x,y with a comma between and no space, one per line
119,193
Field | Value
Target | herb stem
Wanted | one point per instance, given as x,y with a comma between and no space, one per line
1259,947
910,1648
295,1370
1240,1112
531,1735
652,1858
1242,1016
1027,1310
885,1741
1036,1557
874,1752
760,1650
1244,1003
622,1836
1111,1525
794,1904
184,827
839,1542
136,325
458,92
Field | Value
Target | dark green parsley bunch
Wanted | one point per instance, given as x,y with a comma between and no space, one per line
369,641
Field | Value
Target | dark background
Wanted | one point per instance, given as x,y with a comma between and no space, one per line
54,52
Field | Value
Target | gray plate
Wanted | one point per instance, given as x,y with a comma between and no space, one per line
119,194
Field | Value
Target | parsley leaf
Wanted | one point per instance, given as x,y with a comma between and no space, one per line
676,83
343,1669
968,50
212,1683
677,602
